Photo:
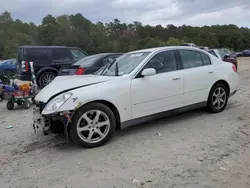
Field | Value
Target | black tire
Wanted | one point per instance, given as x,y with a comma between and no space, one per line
92,106
27,104
5,80
211,107
41,80
33,100
10,105
8,73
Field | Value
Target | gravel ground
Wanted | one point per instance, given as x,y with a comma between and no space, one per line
193,150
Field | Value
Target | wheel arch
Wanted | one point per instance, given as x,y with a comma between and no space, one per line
112,107
223,82
46,69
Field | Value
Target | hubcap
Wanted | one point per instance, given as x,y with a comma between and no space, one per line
219,98
47,79
93,126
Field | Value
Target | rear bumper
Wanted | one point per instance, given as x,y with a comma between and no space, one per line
24,77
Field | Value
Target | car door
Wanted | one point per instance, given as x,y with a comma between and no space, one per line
39,56
198,76
61,56
160,92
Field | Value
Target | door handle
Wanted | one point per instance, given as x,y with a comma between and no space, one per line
176,78
210,72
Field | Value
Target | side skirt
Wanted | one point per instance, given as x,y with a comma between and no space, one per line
161,115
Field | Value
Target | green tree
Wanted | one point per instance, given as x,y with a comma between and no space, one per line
174,42
114,36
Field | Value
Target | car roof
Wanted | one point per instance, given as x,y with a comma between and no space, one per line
107,53
25,46
166,48
104,54
8,60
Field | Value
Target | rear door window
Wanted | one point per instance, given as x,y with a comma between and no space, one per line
40,54
191,59
205,59
61,54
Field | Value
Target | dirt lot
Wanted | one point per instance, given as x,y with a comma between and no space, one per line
193,150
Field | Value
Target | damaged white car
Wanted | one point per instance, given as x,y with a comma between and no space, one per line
137,87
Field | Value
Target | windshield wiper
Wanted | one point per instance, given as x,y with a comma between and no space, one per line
116,69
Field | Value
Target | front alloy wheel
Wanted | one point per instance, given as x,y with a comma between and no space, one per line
92,125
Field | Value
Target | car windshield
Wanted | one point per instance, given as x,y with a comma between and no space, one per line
124,64
2,62
5,62
77,54
89,60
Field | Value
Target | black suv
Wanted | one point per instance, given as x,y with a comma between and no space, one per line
47,61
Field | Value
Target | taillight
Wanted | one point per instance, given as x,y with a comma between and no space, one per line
234,68
25,66
80,71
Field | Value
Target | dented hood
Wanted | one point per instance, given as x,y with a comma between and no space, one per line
66,83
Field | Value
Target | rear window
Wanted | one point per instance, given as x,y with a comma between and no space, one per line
89,60
213,53
222,54
61,54
77,53
37,54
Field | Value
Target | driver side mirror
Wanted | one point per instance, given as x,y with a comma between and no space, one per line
148,72
226,56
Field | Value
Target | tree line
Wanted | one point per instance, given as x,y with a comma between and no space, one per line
115,36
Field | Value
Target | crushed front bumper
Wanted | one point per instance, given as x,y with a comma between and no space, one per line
51,123
40,122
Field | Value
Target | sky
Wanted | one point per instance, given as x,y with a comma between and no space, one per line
153,12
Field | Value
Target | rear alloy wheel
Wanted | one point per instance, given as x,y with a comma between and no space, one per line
93,125
218,98
46,78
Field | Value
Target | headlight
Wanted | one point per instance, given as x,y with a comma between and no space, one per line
56,103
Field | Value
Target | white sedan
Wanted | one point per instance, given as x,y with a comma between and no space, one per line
139,86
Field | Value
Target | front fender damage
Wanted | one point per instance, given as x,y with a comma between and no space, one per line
54,122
